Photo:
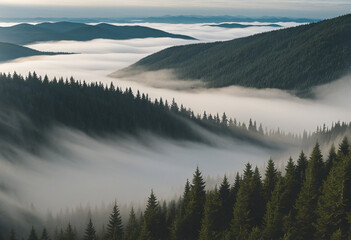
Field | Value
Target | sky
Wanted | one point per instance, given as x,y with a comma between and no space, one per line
140,8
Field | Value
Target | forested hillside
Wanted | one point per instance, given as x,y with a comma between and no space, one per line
310,199
296,58
33,104
10,51
28,33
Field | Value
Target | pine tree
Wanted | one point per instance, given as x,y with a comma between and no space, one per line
195,207
235,187
332,158
32,235
114,229
301,168
227,204
12,235
273,228
179,228
270,180
211,224
335,201
69,233
344,147
151,228
308,196
44,235
133,228
248,205
90,233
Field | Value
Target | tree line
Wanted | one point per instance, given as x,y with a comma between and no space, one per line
310,199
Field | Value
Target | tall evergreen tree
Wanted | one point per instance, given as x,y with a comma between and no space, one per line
335,201
133,228
227,204
332,158
246,212
308,196
90,233
273,218
195,207
211,224
32,235
151,228
270,180
114,229
44,235
301,168
69,234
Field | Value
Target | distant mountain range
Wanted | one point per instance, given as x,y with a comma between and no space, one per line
167,19
296,58
28,33
238,25
9,51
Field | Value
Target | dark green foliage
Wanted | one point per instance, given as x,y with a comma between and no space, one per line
9,51
114,229
90,233
33,235
27,33
308,196
332,158
226,204
334,202
44,235
195,207
70,233
321,209
151,228
270,180
301,168
248,208
133,227
211,227
344,148
295,58
37,105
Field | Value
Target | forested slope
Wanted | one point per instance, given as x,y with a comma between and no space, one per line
10,51
295,58
309,199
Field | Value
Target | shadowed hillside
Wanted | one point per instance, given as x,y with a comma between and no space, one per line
296,58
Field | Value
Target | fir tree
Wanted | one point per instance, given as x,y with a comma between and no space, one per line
246,212
44,235
151,228
133,228
114,229
334,202
32,235
69,233
211,224
308,197
90,233
270,180
195,207
227,204
301,168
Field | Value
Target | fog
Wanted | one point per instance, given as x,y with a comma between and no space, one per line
98,58
125,167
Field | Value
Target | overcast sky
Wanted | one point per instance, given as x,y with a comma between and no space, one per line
139,8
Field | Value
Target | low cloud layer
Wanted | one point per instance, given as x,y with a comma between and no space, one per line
99,58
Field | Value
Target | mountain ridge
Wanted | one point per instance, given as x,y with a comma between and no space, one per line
296,58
